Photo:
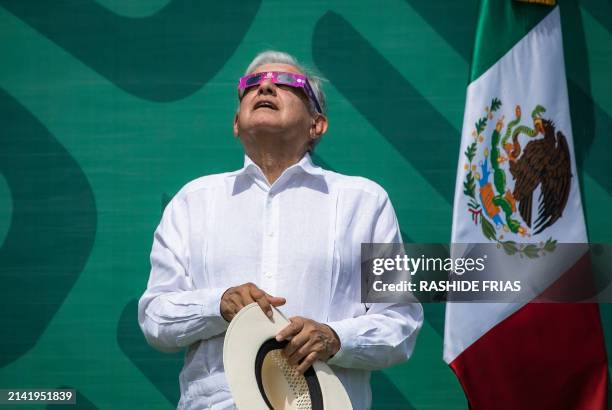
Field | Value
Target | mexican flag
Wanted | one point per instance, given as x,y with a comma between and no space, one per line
517,189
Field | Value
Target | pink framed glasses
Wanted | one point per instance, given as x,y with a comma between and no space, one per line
279,77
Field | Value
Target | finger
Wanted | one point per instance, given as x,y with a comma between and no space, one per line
262,300
297,342
276,300
245,295
291,329
295,352
307,362
255,292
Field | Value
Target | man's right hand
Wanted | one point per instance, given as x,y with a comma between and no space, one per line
238,297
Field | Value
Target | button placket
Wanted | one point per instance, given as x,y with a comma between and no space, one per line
270,243
270,221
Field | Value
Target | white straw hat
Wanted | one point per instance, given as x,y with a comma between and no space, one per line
260,378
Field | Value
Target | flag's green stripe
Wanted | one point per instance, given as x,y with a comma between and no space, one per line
501,24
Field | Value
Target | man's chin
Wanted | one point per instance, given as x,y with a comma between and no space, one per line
267,126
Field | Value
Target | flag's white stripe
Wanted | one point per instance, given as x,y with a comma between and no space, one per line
531,73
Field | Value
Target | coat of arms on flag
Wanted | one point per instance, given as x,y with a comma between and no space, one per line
506,165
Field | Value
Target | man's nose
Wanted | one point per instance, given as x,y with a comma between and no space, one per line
267,87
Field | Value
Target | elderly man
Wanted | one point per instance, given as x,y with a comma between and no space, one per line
280,232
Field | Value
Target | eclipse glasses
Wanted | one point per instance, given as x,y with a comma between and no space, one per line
278,77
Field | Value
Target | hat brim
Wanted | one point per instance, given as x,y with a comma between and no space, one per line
247,332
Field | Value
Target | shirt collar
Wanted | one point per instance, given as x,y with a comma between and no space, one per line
305,165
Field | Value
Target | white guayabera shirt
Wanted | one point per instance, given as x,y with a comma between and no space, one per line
299,238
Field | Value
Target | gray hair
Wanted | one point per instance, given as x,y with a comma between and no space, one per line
278,57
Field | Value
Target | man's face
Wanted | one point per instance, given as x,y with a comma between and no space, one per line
272,108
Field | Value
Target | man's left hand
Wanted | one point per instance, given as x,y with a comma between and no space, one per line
308,341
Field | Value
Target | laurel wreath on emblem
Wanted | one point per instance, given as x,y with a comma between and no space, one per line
543,162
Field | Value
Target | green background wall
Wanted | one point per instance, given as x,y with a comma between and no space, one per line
108,107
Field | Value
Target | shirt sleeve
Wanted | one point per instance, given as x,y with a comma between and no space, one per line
172,313
386,334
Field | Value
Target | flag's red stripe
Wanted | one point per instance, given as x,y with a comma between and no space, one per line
544,356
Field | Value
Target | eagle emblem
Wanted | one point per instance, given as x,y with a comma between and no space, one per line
517,185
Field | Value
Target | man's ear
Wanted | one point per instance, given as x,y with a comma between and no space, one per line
319,126
236,125
317,129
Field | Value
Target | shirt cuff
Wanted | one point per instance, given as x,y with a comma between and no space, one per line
347,333
209,300
213,307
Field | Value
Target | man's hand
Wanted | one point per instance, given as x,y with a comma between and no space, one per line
308,341
238,297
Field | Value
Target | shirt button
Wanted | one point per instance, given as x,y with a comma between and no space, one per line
268,275
271,233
